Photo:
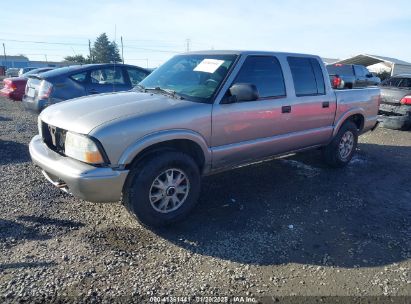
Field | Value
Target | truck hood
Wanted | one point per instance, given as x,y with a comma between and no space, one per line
83,114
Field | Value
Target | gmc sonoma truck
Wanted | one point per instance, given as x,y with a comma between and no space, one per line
197,114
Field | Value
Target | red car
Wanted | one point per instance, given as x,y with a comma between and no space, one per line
14,87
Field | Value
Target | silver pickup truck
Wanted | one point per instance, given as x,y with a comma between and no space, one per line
197,114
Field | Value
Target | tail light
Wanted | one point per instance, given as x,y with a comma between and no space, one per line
406,100
45,89
10,85
336,82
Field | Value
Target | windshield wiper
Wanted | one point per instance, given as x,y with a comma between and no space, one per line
140,88
168,92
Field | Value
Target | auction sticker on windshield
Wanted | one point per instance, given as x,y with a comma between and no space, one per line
208,65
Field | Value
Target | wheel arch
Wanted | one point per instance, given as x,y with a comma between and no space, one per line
355,115
186,141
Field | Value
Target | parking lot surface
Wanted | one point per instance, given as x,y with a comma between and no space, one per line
291,226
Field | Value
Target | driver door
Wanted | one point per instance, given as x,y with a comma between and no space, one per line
244,131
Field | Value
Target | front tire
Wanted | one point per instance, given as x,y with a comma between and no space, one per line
162,188
342,148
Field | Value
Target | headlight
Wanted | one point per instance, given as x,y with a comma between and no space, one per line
82,148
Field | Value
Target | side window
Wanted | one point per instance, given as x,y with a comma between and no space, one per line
107,76
365,71
136,75
359,72
307,76
80,77
265,73
391,82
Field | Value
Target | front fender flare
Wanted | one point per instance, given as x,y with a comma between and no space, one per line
154,138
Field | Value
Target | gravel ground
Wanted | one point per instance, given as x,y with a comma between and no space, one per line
291,226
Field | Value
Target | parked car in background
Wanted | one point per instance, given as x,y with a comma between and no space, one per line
348,76
14,87
25,70
12,72
80,80
197,114
395,107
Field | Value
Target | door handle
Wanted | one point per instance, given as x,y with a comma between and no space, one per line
326,104
93,92
286,109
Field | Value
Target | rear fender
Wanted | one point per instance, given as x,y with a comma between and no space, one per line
343,118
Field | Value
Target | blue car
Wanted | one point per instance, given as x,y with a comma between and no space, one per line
80,80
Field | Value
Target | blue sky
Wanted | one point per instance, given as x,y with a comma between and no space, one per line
155,30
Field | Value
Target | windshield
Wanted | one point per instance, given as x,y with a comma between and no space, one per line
193,77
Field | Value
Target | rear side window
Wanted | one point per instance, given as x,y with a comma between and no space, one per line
265,73
80,77
359,71
340,69
391,82
136,75
307,76
405,83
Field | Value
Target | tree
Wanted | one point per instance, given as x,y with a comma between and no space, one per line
76,58
104,51
383,75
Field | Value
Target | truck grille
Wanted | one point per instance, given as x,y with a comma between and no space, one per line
53,137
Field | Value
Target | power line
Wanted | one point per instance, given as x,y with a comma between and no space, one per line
85,45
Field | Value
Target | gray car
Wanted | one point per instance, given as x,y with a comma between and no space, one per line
395,108
81,80
197,114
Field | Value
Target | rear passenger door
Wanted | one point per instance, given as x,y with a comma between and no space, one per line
309,115
107,79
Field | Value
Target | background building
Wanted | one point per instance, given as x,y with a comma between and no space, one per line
377,64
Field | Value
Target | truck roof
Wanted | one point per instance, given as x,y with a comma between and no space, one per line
247,52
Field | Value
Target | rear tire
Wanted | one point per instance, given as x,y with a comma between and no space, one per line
162,188
340,151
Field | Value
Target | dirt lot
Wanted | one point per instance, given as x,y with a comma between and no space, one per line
291,226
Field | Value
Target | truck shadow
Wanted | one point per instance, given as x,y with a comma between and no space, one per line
12,152
299,211
33,228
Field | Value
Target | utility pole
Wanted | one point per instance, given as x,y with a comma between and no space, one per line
45,56
188,41
122,53
89,49
4,52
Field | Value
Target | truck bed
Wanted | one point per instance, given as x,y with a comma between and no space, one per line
365,101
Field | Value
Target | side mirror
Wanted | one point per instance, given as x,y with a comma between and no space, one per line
243,92
369,75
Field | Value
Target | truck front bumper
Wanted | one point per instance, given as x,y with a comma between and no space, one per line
95,184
